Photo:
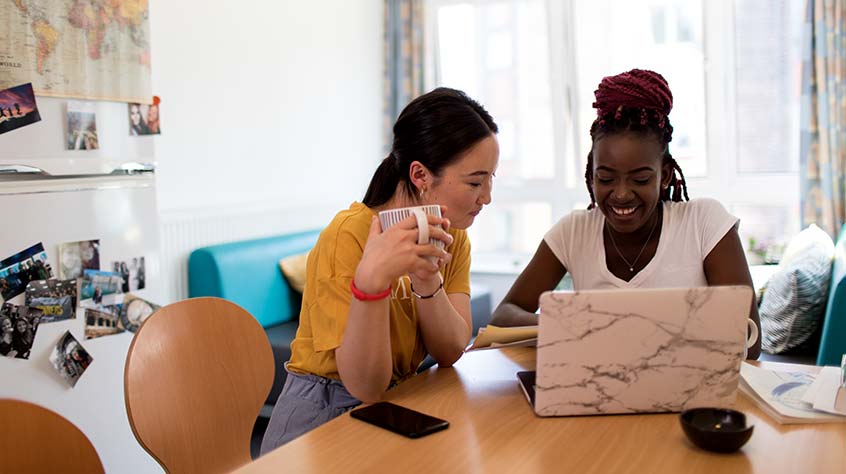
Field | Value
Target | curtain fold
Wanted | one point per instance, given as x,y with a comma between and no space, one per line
823,116
404,59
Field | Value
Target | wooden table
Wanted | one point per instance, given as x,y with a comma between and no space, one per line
493,429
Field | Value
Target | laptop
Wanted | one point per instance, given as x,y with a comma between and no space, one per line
638,350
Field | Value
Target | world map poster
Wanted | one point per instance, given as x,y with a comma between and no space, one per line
91,49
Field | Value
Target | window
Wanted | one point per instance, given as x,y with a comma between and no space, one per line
733,66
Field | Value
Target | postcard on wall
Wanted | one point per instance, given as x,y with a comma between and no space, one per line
55,298
135,311
70,359
98,289
18,325
17,108
144,119
75,257
21,268
132,273
81,126
102,321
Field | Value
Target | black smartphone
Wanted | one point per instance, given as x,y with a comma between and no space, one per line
399,419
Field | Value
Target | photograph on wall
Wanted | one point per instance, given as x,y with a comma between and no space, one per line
17,108
135,311
102,321
98,289
82,126
76,257
81,50
132,273
21,268
55,298
18,325
144,119
70,359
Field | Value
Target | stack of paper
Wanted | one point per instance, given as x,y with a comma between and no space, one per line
794,396
493,337
826,394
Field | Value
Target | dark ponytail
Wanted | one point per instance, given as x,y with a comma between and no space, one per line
433,129
384,182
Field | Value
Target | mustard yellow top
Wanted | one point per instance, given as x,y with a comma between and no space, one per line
326,300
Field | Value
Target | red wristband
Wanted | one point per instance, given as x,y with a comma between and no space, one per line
362,296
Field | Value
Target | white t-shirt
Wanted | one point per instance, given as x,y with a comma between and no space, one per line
689,232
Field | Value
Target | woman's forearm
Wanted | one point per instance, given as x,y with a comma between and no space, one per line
510,315
445,331
364,357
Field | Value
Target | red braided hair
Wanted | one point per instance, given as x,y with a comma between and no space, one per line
637,88
637,101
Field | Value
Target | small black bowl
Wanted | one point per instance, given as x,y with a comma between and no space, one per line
716,429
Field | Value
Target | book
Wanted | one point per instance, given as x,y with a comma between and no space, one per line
779,393
494,337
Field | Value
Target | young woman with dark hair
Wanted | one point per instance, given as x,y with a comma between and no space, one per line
638,231
375,302
22,338
7,331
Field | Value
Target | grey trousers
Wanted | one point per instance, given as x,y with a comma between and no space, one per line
306,402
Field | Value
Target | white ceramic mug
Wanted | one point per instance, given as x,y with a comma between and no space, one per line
391,217
753,337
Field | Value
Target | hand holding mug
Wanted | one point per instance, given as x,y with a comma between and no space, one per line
397,250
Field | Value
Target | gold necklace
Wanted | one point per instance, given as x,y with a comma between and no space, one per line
632,264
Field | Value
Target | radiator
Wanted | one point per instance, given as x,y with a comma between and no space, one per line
184,231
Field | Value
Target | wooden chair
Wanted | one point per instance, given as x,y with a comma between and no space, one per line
35,439
197,374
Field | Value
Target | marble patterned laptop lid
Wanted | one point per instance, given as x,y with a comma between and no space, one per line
639,350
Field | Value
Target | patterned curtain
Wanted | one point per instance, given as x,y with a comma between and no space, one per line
823,116
404,72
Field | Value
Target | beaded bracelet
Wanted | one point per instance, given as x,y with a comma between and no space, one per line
440,287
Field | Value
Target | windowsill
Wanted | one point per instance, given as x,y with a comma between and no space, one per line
761,274
514,264
499,264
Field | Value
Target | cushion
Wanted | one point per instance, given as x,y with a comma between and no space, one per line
294,269
793,304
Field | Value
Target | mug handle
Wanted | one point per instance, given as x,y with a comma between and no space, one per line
422,226
753,337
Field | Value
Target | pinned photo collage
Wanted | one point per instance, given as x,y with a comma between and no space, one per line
103,298
18,108
108,309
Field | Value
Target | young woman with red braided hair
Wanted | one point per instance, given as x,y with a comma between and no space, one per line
640,230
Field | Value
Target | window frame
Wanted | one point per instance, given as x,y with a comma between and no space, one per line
723,179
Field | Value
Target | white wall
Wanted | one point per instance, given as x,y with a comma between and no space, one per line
271,109
266,102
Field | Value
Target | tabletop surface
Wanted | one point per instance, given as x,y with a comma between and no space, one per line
493,429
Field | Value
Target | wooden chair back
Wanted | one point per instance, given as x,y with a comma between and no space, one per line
35,439
197,374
